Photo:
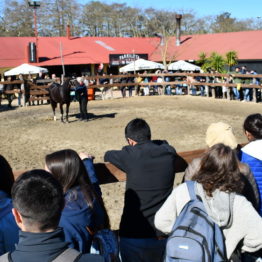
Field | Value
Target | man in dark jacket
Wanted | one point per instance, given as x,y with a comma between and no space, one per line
81,96
38,202
149,166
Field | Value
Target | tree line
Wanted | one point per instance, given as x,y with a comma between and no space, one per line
113,20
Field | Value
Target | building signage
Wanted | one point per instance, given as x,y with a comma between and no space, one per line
124,59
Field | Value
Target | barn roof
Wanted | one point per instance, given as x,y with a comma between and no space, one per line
247,45
94,50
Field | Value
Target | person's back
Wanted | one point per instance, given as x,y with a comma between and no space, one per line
76,217
83,208
8,227
38,202
223,133
149,166
218,183
150,176
251,154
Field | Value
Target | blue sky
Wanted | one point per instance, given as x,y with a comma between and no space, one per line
238,8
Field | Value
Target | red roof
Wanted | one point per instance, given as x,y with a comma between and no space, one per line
247,44
94,50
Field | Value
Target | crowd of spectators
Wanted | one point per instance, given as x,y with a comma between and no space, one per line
137,85
52,214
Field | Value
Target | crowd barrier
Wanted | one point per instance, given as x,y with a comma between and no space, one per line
40,92
108,173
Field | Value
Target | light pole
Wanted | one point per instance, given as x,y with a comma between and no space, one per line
35,5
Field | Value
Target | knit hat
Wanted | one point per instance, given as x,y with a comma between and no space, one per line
220,133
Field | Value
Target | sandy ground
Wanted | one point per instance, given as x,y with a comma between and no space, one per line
28,134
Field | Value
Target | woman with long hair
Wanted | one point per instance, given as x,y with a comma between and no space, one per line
218,183
84,211
8,227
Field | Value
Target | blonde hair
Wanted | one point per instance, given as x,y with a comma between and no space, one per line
220,133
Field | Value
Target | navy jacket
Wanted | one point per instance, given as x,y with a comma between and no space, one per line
8,227
76,216
44,247
80,91
90,169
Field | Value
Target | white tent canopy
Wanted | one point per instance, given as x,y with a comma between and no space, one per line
25,69
184,66
141,64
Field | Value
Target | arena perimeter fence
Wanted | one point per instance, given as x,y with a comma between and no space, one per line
108,173
40,92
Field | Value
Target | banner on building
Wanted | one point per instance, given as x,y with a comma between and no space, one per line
124,59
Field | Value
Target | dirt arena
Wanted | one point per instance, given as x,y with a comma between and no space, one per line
28,134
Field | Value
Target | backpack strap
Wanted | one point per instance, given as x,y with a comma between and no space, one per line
191,189
68,255
5,257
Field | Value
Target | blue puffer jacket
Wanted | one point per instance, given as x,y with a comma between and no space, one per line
8,227
76,216
251,154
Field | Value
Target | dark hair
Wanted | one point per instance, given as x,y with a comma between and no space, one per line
219,169
68,168
253,124
38,197
7,176
138,130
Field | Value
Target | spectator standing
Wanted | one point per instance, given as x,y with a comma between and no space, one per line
237,80
246,91
159,85
8,227
256,81
145,87
149,166
130,80
223,133
251,154
21,92
81,96
40,239
167,87
1,88
83,212
217,184
138,81
154,79
123,88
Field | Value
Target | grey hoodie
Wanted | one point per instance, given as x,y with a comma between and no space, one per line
219,207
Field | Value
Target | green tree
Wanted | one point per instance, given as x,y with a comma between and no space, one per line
217,62
231,59
203,61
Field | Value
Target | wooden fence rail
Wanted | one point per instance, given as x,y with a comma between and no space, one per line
40,92
108,173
